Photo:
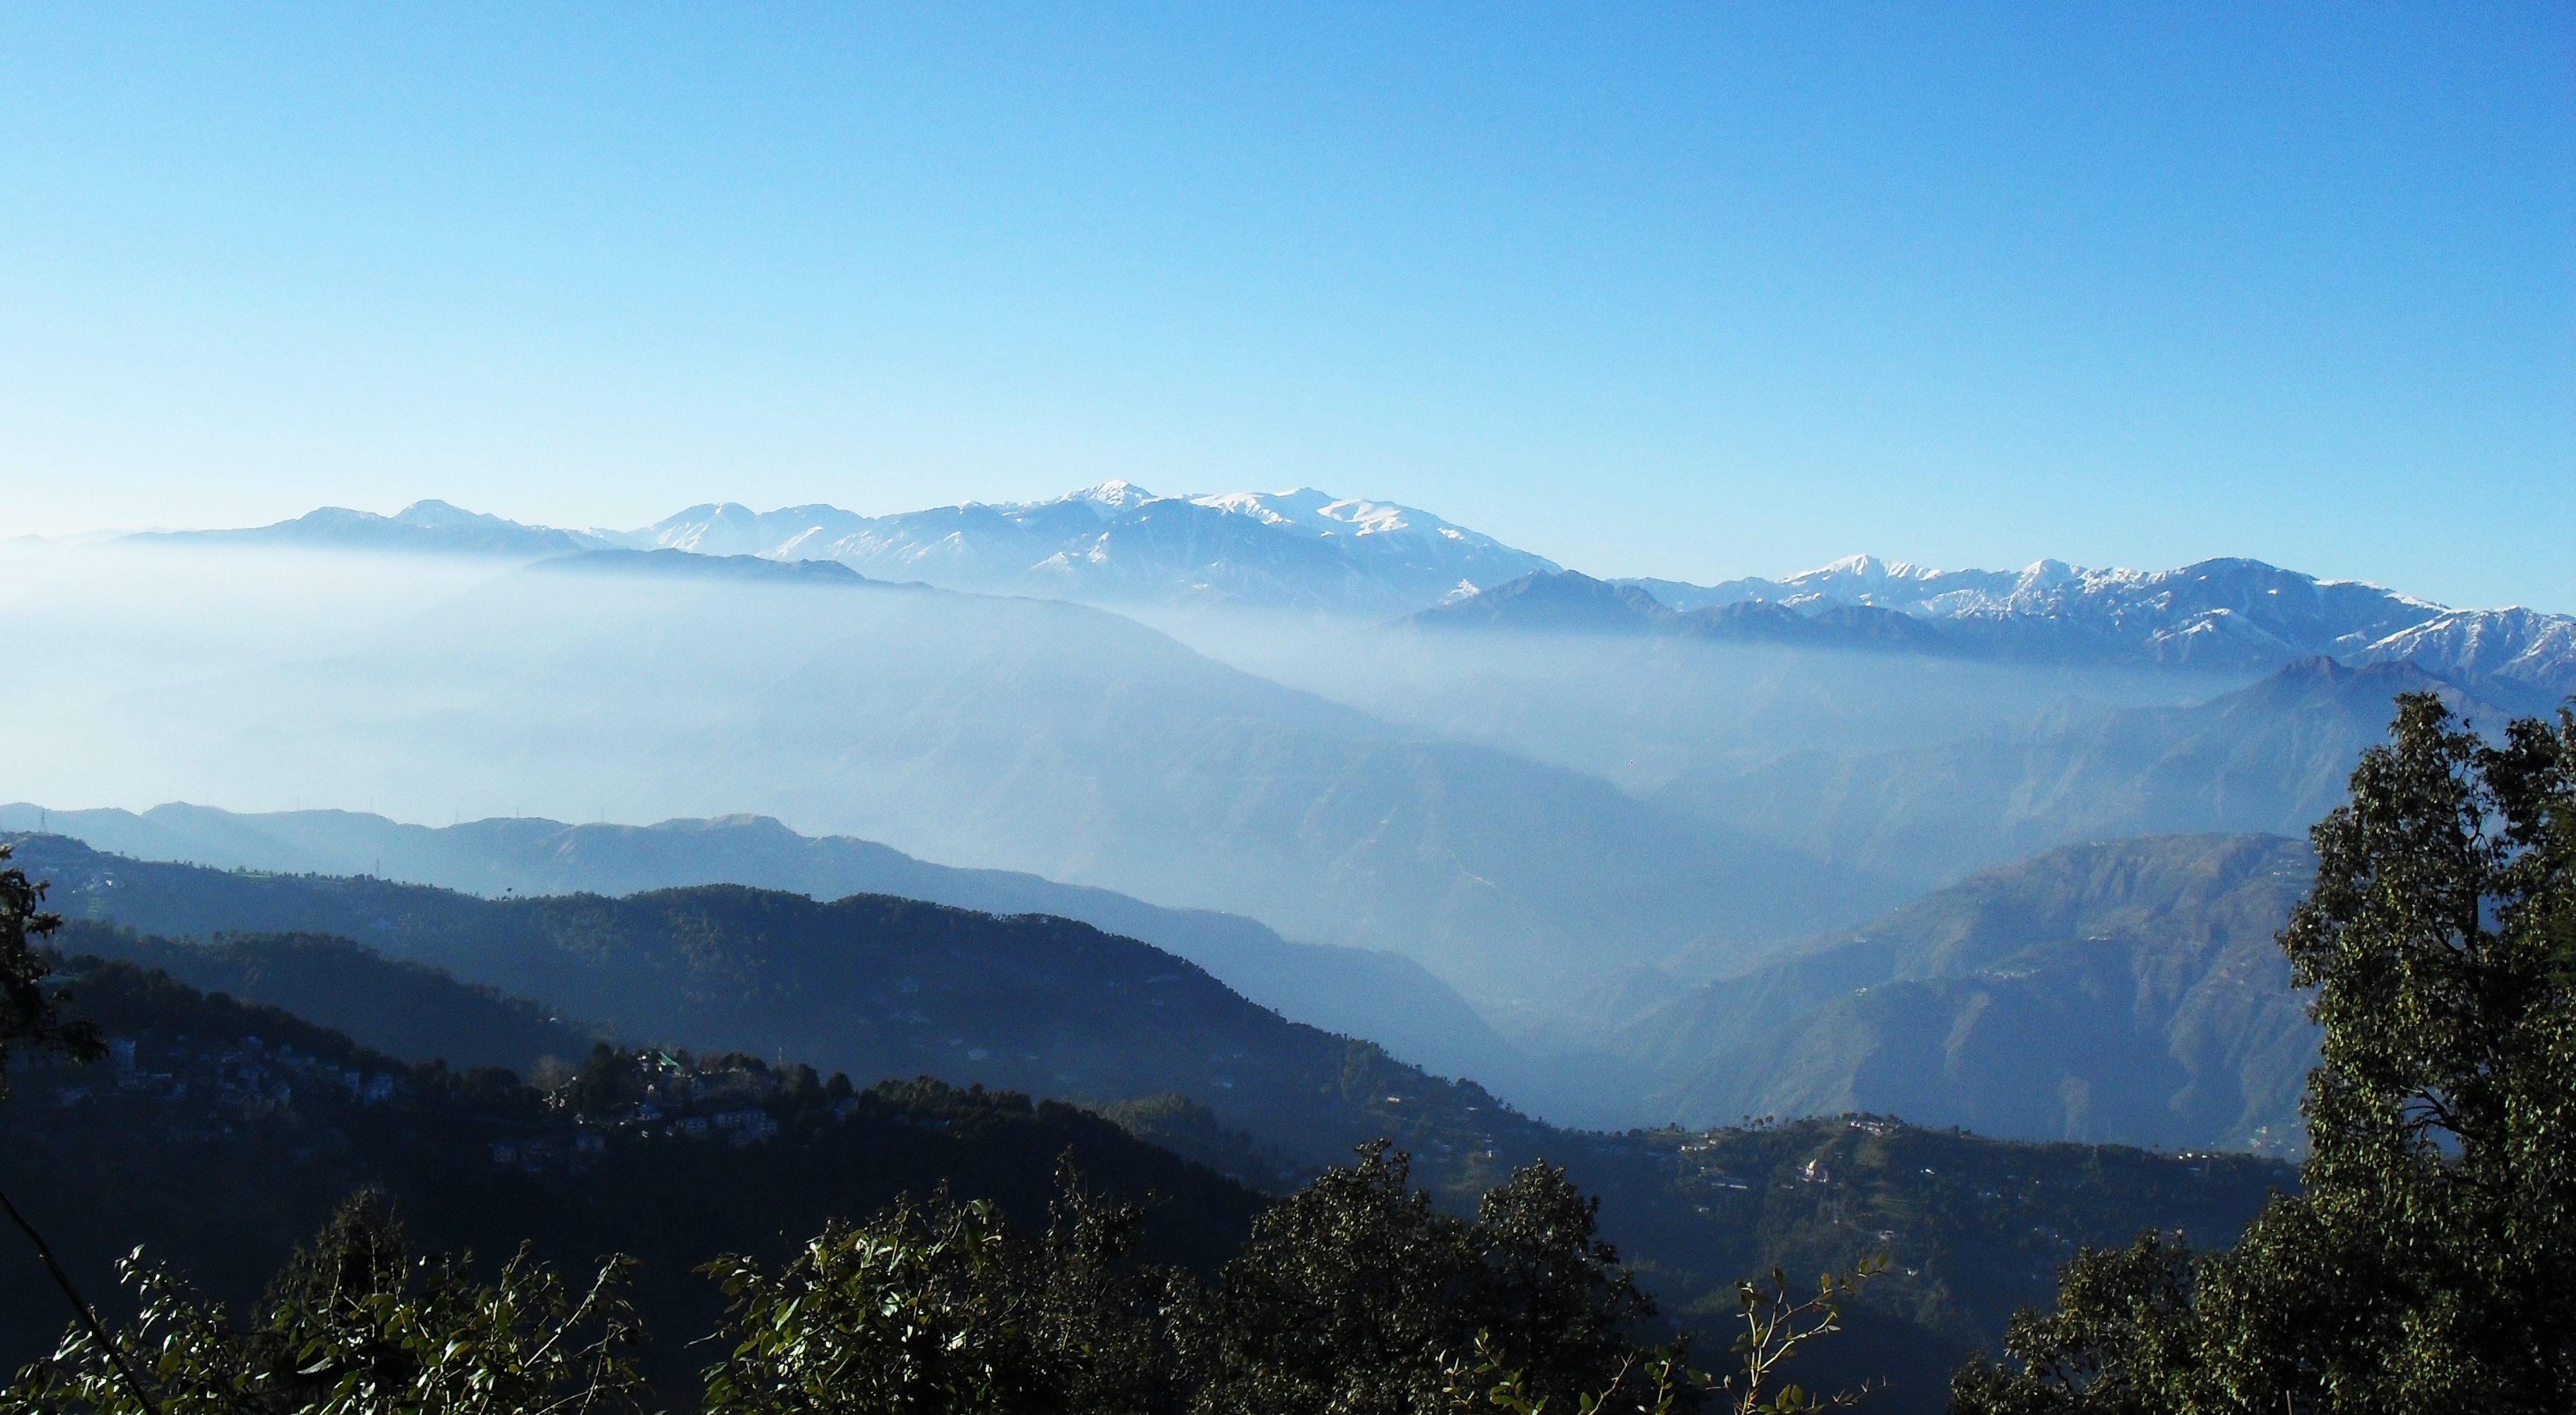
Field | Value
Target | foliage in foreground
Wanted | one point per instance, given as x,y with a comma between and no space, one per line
1354,1297
2430,1261
354,1325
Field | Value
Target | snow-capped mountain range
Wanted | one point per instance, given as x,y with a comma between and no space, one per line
2219,613
1119,544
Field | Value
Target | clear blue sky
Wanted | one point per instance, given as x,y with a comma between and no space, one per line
1692,291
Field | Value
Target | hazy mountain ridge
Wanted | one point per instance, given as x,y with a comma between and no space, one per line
422,528
1383,996
405,1009
871,985
1305,549
2128,991
1571,602
2271,757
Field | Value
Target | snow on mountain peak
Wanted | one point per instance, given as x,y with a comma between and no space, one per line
1114,495
1305,508
436,513
1321,513
1854,567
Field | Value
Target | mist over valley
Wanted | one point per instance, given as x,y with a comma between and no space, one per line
1260,827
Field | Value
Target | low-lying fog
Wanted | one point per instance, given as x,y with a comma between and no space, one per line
1642,711
1448,796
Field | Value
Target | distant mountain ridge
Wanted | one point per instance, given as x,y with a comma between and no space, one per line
1572,602
1117,543
868,984
1112,543
2271,757
2226,614
422,528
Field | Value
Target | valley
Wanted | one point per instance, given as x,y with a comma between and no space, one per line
274,1117
1211,839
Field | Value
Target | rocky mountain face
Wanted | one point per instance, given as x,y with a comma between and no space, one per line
2128,990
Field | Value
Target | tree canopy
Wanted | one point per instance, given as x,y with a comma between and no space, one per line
1354,1296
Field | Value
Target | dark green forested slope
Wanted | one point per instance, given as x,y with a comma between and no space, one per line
869,985
1975,1224
220,1154
1383,996
414,1011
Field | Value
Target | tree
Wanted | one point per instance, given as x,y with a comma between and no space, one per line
1551,1297
1344,1298
355,1325
609,1079
29,1014
1356,1296
2430,1259
938,1307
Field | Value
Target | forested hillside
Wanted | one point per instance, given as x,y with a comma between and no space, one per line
1384,996
220,1153
410,1010
871,985
221,1135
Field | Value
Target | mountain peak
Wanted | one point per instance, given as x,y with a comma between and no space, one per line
434,512
1862,566
1299,508
1116,494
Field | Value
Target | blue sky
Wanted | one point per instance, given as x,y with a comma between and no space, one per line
1686,291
